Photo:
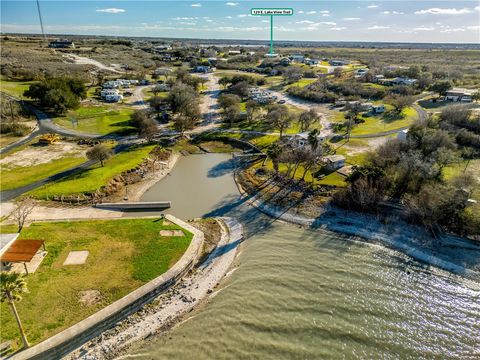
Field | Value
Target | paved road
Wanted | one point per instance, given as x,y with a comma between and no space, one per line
8,195
45,125
21,142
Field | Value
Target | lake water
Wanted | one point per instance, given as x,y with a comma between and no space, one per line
311,294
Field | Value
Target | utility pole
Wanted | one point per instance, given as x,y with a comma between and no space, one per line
41,21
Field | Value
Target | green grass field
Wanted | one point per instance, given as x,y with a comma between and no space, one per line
381,123
97,119
123,255
301,83
95,177
15,88
21,176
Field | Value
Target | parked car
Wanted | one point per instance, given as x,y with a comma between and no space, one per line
281,101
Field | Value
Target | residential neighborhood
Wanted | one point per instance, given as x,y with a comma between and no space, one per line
230,180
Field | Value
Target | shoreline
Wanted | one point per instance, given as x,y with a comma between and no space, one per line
171,307
396,235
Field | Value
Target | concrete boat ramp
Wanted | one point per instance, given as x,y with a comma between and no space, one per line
135,206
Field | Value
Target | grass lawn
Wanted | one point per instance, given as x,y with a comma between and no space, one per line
15,88
301,83
21,176
148,94
95,177
123,255
380,123
97,119
333,179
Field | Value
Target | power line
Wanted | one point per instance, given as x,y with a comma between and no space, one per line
41,21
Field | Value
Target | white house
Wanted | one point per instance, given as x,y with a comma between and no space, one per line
459,94
402,135
334,162
113,98
301,139
378,109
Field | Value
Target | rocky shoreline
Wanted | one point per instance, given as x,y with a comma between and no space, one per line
449,253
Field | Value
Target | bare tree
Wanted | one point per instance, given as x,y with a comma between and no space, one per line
23,208
99,153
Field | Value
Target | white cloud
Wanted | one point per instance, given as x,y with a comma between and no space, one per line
197,5
300,12
242,15
311,12
325,15
111,10
351,19
439,11
393,12
372,6
328,23
324,12
228,17
185,18
305,22
378,27
338,28
209,20
424,28
231,4
476,8
474,27
450,30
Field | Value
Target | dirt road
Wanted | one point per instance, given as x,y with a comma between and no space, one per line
87,61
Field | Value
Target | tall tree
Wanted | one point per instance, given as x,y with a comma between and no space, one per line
12,286
307,118
273,152
279,118
252,108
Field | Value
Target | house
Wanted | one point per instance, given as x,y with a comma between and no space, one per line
403,81
359,73
459,94
61,44
285,61
334,162
107,91
113,98
311,62
272,55
203,69
402,135
338,62
234,52
296,58
301,139
366,106
378,109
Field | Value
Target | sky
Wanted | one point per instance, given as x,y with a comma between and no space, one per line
338,20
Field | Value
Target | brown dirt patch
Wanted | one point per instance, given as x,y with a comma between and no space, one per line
90,297
171,233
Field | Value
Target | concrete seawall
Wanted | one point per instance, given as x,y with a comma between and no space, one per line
69,339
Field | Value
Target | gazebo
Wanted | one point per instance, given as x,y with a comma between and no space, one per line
22,251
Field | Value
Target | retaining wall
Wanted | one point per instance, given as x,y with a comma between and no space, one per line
69,339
